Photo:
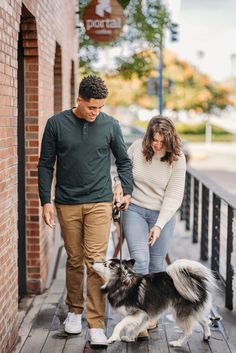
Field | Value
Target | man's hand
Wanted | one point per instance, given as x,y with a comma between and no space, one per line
48,215
118,195
154,235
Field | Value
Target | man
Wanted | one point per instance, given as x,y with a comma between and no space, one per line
80,140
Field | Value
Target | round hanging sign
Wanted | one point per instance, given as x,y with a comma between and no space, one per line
103,20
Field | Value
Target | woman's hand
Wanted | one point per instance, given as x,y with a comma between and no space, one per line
154,235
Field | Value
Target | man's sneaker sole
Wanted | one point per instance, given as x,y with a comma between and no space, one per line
71,332
95,344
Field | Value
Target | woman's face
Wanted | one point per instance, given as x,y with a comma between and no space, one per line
158,144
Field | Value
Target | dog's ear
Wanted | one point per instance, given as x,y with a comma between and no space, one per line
130,262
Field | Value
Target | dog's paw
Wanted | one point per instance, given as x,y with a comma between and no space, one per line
175,343
127,339
112,339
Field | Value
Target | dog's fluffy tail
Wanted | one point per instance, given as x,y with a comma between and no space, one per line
189,276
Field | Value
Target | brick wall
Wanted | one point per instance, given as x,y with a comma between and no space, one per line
48,33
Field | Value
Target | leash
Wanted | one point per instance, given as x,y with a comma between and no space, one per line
116,215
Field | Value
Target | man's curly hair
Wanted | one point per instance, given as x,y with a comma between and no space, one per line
92,87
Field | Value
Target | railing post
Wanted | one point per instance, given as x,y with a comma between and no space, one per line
229,267
187,201
215,249
195,210
204,224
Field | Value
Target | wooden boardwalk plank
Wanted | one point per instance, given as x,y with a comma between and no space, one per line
27,322
196,343
218,344
172,333
112,319
137,347
75,344
157,340
53,344
42,330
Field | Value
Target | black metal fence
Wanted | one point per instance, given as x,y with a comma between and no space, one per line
210,213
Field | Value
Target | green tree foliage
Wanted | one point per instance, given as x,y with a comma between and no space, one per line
146,25
189,88
124,3
89,49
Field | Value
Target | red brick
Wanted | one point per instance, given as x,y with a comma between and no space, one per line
39,97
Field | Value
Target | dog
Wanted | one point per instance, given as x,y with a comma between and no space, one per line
186,286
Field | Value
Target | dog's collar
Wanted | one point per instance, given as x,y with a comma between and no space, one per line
127,281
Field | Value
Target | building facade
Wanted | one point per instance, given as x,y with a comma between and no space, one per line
38,65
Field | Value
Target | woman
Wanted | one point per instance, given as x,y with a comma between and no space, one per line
159,169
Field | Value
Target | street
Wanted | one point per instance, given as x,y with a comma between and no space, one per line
217,161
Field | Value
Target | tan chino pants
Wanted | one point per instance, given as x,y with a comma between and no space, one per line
85,231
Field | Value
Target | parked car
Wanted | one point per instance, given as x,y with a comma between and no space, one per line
186,150
131,133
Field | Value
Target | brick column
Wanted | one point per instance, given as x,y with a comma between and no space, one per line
33,242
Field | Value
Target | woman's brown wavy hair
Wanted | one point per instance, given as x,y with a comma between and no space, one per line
165,127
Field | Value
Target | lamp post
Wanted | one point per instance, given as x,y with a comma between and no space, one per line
208,128
174,38
160,79
233,64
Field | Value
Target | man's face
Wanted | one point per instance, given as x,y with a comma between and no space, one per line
89,110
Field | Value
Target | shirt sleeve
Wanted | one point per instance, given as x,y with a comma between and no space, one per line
174,192
116,176
46,163
122,160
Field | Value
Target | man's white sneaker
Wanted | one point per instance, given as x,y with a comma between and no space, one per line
73,323
97,337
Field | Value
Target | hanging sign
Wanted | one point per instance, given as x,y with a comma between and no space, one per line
103,20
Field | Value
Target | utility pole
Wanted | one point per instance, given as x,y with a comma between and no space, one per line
174,38
160,79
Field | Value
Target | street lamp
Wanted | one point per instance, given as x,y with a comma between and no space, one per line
174,38
233,64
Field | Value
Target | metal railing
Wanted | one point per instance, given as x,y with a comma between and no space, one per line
210,213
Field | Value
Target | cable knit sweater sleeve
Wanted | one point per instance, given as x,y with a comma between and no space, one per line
174,191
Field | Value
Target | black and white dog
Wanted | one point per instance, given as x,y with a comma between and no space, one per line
186,286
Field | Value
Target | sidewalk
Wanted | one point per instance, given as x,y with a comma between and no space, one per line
182,247
42,316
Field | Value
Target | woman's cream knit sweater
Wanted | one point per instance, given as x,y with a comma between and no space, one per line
157,185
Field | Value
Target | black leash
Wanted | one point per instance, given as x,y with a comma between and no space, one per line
116,215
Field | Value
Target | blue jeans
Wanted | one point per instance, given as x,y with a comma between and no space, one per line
137,222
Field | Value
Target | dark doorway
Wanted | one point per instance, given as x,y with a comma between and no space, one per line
57,80
72,85
21,172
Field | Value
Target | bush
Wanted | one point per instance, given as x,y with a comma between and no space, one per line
199,129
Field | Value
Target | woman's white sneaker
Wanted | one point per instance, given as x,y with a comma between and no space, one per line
73,323
97,337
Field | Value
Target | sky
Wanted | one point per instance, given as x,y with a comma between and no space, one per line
209,27
205,26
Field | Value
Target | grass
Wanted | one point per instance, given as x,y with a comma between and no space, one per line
201,137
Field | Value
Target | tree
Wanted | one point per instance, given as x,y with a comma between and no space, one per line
190,89
145,26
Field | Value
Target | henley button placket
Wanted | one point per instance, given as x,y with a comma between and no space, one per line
85,130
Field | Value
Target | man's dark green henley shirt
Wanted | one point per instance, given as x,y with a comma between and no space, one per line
82,153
